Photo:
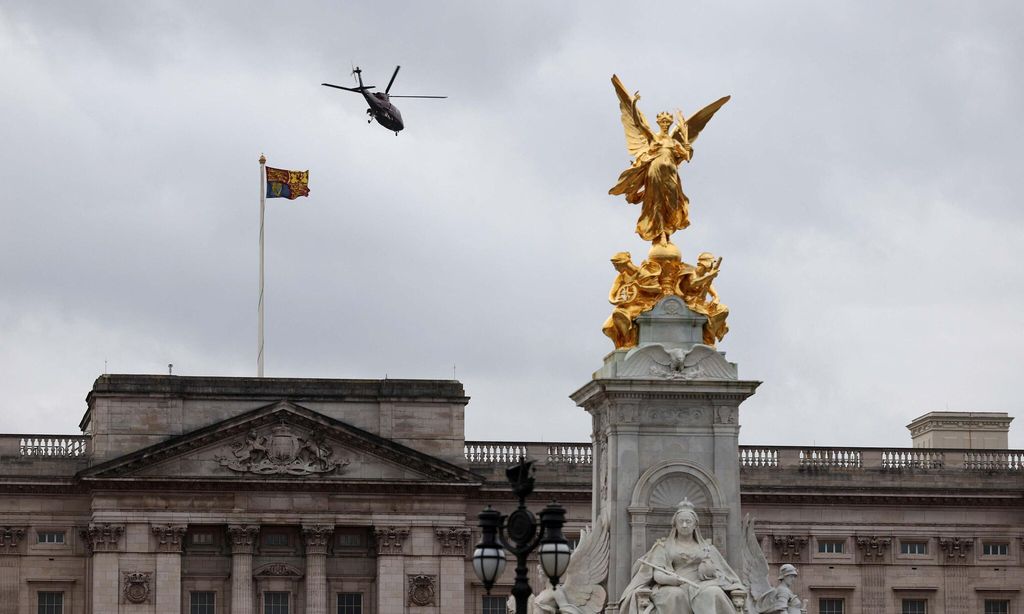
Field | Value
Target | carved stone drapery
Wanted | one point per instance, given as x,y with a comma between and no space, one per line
421,590
242,538
316,538
873,548
390,539
136,586
789,547
102,537
169,537
956,549
454,540
9,538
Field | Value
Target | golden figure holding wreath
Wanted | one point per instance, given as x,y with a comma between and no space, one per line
653,179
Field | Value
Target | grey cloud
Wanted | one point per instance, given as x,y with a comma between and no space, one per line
861,186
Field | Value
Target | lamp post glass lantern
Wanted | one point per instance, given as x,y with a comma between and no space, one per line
489,557
518,533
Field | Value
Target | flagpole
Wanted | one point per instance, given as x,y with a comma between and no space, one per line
263,206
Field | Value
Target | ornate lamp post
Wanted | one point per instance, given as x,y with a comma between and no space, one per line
518,533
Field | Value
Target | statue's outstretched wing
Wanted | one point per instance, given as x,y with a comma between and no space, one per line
701,118
638,131
707,363
588,568
755,565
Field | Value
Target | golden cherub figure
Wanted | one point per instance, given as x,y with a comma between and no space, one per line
653,179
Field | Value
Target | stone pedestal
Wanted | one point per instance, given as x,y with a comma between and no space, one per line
665,428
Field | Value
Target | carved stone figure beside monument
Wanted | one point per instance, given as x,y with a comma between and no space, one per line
765,598
581,590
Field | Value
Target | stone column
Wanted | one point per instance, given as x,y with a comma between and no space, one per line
243,541
103,540
316,538
390,568
10,568
168,567
665,421
454,545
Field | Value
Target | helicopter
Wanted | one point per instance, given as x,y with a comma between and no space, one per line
381,109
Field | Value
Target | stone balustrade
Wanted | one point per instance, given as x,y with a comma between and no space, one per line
753,458
560,453
581,454
46,446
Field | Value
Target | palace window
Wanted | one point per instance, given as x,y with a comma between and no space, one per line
276,539
997,606
831,546
50,602
350,539
202,538
494,604
913,547
202,602
350,603
275,602
831,606
914,606
50,537
995,549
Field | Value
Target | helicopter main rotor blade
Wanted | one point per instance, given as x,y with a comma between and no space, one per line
349,89
417,96
393,75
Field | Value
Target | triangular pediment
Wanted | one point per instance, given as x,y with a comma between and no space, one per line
281,442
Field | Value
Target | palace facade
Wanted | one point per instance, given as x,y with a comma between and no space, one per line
205,495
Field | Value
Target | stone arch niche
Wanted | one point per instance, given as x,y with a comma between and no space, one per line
660,489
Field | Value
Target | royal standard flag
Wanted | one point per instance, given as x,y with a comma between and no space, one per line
287,184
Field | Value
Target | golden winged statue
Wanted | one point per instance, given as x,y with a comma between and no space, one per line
653,179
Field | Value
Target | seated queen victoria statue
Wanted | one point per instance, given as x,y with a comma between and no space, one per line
683,574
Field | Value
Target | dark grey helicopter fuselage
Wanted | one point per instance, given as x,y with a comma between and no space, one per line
383,111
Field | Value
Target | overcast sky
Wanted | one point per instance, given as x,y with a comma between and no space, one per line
863,186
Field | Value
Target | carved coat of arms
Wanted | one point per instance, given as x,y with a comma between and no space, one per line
283,451
136,586
421,590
